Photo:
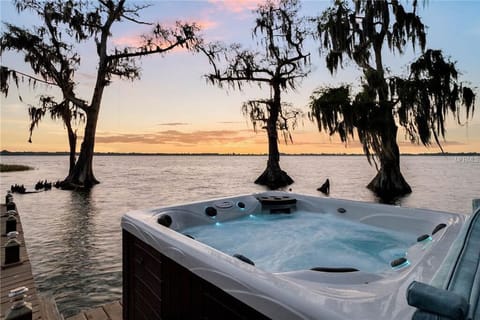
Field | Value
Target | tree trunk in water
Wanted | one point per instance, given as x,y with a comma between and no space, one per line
82,174
72,142
274,177
389,182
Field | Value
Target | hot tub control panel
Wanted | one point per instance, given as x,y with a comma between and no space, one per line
278,204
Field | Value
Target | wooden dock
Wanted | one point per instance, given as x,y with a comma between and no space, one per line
110,311
20,275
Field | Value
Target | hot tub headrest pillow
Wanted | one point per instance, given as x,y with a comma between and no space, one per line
438,301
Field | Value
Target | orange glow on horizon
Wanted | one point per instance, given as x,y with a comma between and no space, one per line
215,141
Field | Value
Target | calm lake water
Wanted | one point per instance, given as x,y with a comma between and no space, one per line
74,239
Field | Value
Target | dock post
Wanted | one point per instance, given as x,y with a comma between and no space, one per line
16,275
20,309
11,206
8,197
12,249
10,223
475,204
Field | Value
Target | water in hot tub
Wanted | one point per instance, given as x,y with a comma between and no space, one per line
304,240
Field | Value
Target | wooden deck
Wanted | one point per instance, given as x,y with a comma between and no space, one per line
20,275
110,311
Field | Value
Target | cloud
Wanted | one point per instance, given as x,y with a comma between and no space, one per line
172,124
229,122
452,143
128,41
335,144
206,24
236,6
137,40
433,144
174,137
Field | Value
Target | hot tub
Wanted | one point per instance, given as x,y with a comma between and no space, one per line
278,255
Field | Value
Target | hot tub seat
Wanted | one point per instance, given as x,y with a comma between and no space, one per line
457,279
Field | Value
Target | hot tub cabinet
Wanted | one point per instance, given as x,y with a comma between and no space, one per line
156,287
170,274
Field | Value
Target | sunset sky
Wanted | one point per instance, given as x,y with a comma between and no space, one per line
173,109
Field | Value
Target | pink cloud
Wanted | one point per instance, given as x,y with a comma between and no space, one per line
236,6
203,23
128,41
174,137
137,40
206,24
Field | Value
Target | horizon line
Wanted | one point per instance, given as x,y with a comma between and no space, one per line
20,153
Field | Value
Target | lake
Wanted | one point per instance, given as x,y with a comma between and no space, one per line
74,238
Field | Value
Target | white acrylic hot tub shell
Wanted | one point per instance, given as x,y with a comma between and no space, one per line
304,294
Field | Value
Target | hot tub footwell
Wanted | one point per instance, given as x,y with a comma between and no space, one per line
156,287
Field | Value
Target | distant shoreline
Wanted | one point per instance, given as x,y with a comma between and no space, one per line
14,167
29,153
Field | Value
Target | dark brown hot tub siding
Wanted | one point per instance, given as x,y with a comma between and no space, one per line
156,287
